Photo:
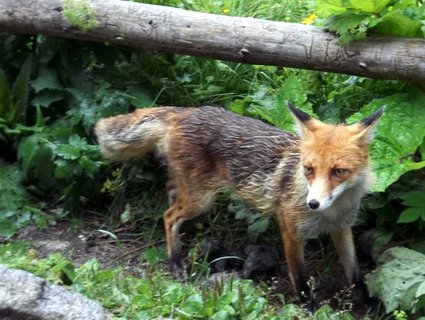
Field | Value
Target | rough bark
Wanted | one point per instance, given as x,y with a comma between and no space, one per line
245,40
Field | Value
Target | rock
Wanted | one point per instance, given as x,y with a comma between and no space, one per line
369,246
222,277
50,246
219,258
231,260
25,296
260,260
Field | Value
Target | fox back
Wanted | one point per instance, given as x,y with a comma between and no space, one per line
219,148
312,182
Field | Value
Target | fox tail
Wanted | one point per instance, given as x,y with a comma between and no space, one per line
131,136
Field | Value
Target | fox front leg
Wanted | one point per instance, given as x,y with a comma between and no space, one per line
294,255
344,245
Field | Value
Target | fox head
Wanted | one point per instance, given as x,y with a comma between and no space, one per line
335,158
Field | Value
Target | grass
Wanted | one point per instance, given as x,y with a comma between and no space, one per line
289,10
154,294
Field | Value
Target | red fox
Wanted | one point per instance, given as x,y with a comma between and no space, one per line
312,182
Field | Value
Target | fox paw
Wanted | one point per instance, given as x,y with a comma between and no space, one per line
177,266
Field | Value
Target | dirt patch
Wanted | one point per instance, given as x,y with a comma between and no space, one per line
81,244
86,242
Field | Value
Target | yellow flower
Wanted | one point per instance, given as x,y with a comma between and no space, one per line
310,19
226,10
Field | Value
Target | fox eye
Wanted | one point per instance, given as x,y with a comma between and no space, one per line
308,170
339,172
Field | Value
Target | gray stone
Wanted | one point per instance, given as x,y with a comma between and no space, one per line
25,296
49,246
260,260
222,277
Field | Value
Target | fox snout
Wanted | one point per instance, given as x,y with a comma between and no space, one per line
318,198
319,204
321,196
313,204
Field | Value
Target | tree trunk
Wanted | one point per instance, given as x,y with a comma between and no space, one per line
244,40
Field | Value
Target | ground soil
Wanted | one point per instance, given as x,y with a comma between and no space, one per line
82,243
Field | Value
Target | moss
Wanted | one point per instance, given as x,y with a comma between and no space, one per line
80,15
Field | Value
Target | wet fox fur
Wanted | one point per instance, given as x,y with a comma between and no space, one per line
312,182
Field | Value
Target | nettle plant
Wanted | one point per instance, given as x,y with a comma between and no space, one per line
355,19
49,101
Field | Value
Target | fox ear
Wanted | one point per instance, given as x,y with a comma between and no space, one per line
303,121
368,126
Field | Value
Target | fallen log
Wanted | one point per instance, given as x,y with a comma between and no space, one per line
239,39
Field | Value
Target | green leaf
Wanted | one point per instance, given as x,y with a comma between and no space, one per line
421,290
20,90
35,155
42,162
414,199
78,142
46,98
398,278
237,106
68,151
326,8
349,26
47,79
258,227
138,96
194,305
7,228
399,133
326,312
83,111
89,166
410,215
26,152
418,246
221,315
10,179
242,214
15,203
404,4
369,6
293,90
397,24
154,255
4,96
63,169
39,118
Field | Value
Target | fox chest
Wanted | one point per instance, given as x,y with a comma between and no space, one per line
317,223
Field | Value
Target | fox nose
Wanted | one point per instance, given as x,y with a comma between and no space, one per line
314,204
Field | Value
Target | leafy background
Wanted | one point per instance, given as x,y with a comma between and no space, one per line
52,91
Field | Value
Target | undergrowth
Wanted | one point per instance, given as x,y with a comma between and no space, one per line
53,91
154,294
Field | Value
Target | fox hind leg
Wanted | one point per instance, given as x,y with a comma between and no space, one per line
185,206
173,219
171,192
